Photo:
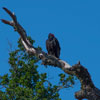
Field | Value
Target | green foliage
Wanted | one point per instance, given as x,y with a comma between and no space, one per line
24,81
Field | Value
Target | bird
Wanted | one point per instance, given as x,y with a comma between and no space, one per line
53,46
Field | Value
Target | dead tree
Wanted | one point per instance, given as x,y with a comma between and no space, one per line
88,89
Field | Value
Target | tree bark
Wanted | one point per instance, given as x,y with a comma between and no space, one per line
88,89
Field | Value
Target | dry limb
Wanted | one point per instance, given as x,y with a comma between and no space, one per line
88,90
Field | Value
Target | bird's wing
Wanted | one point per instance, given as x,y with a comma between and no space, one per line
57,48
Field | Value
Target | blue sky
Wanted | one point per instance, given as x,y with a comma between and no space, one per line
76,24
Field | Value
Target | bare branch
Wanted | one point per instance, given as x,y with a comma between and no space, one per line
88,90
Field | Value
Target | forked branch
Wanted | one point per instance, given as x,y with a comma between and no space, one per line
88,90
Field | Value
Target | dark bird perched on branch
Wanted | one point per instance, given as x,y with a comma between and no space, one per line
52,45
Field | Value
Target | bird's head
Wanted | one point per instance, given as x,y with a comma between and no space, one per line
51,36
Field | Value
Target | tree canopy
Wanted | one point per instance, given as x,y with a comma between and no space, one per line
25,82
